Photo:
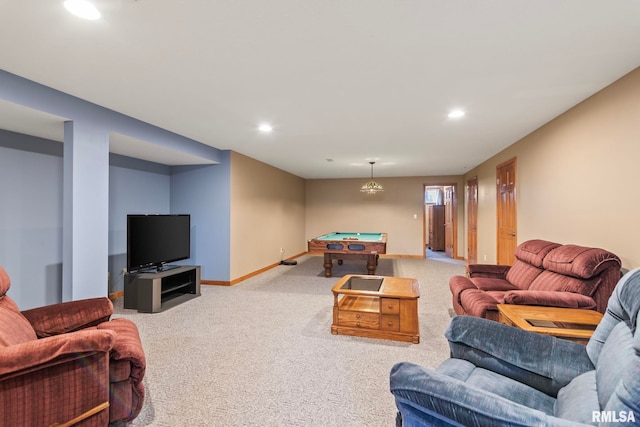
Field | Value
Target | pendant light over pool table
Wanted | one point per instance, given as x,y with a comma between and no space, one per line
371,187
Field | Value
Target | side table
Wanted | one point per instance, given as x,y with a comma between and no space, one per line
567,323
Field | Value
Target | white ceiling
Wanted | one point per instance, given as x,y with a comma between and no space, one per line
347,80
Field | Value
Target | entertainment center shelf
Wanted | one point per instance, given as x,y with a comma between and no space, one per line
155,292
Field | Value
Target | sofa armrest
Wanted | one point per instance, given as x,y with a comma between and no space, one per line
458,283
550,299
37,354
126,370
127,346
540,361
425,397
488,270
54,380
69,316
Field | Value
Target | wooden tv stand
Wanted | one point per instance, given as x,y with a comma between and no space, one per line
155,292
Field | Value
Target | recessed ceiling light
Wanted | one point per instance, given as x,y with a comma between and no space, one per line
265,128
82,9
456,114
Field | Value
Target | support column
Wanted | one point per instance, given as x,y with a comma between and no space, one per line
85,211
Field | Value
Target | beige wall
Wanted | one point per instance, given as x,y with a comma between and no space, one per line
267,213
576,183
576,177
338,205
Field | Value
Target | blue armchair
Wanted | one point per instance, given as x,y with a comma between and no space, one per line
499,375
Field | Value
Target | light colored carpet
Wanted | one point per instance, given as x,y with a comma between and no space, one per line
261,353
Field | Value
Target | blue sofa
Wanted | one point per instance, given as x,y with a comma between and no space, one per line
499,375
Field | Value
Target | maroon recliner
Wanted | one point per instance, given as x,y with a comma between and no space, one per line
68,363
544,273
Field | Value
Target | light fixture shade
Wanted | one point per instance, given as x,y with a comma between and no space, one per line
371,187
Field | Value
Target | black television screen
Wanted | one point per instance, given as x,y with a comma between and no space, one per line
154,240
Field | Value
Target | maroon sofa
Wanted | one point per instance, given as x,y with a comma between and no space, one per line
544,273
68,363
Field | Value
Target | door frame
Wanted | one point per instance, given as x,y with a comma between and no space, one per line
502,252
455,217
470,181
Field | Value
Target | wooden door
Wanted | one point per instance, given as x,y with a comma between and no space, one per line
449,215
436,228
506,211
472,220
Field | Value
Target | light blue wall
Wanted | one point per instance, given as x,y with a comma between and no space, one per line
204,192
85,218
31,219
135,187
31,216
52,193
31,238
21,91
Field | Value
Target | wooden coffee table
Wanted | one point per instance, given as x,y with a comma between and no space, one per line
376,307
568,323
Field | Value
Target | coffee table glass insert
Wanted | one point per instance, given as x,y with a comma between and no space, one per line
568,323
357,283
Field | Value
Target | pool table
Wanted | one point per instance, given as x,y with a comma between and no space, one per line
349,245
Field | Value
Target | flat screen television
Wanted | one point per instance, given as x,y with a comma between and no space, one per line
155,240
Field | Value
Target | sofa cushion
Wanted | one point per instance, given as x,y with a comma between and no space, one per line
477,302
5,282
578,261
501,385
578,400
456,368
61,318
615,348
485,284
14,327
625,396
522,274
550,281
615,362
429,398
550,299
458,284
487,270
623,305
511,389
534,251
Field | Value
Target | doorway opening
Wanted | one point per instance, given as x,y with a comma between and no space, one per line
440,220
